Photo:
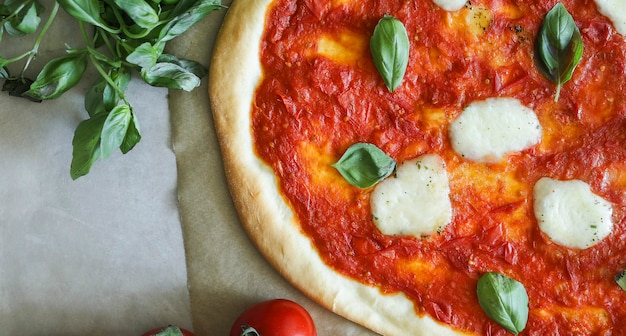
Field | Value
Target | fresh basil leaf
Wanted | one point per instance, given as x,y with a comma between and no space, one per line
504,300
133,135
4,10
114,129
621,280
30,21
170,75
86,145
184,20
58,76
184,5
364,165
85,10
111,97
4,72
558,47
140,12
389,47
145,55
26,21
189,65
101,96
94,102
110,17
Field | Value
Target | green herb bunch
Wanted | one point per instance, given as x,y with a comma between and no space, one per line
120,37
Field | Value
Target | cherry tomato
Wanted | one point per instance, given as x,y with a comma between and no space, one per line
278,317
168,331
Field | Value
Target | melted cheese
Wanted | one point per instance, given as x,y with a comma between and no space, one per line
450,5
414,202
615,10
570,213
473,19
488,130
345,48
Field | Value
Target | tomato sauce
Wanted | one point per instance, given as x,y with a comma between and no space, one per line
315,101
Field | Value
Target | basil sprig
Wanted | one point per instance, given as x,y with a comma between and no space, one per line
504,300
389,47
559,47
364,164
120,37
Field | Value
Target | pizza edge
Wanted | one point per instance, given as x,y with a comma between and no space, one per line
269,222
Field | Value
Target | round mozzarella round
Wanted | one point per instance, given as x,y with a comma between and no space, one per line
450,5
615,10
415,201
488,130
570,213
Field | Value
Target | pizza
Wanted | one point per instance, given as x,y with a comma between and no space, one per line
433,167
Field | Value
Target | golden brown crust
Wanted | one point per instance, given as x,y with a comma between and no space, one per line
268,220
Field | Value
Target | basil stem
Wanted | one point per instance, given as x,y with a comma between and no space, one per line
558,47
389,47
364,165
504,300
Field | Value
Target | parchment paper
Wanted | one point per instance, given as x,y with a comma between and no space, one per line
102,255
226,273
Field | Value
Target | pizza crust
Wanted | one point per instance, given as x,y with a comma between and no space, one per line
235,72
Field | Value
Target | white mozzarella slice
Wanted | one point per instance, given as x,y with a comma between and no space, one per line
487,130
615,10
570,213
450,5
415,201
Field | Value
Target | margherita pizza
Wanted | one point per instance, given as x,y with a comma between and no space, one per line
433,167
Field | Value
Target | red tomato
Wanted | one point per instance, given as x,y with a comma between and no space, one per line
279,317
168,331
